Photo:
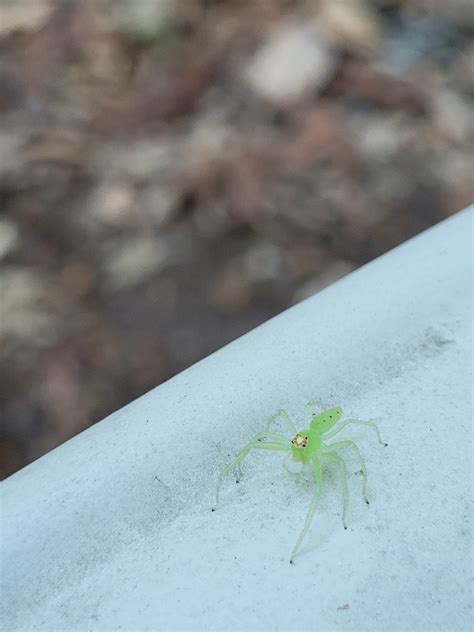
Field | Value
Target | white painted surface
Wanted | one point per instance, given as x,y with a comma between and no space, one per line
113,530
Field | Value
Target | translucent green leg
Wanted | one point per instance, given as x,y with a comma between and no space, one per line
352,445
309,411
343,473
279,443
289,470
260,437
284,415
357,422
318,482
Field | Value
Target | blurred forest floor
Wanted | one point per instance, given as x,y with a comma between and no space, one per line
174,173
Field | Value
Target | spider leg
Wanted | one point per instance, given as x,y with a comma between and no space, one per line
278,443
259,437
343,473
289,470
284,415
357,422
352,445
318,480
309,411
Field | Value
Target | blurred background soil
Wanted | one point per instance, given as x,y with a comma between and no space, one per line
173,173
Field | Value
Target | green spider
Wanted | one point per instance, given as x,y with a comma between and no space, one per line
308,446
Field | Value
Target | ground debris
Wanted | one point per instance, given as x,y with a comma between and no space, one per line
173,175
